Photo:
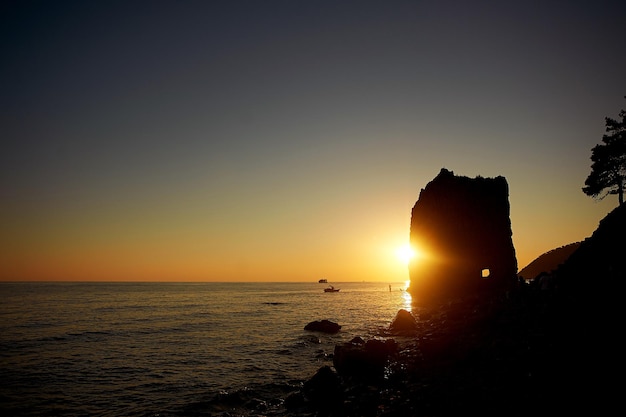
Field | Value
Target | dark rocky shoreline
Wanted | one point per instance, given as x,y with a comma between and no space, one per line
524,353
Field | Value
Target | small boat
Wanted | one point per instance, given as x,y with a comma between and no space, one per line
323,281
330,288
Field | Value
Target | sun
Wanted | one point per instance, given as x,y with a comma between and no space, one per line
405,253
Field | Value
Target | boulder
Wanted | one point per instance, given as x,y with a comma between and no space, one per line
324,389
366,360
324,326
357,340
403,324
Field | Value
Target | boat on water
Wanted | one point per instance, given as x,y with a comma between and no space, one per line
323,281
330,288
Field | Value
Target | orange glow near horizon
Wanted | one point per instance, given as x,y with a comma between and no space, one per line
129,246
371,258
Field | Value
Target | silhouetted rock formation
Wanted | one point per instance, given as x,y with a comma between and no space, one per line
463,227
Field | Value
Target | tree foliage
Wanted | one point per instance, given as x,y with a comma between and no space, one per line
608,168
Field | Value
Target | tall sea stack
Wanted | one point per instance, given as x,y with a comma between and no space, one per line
461,228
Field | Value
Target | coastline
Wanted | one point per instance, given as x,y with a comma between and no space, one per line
526,352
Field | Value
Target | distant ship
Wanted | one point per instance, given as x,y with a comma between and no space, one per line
323,281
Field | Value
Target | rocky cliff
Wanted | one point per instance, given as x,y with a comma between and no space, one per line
462,228
596,268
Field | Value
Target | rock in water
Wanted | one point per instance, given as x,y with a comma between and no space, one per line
403,323
324,326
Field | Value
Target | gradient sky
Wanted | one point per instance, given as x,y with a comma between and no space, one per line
289,140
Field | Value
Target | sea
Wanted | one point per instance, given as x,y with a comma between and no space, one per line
174,349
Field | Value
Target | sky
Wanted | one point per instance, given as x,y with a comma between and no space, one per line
289,140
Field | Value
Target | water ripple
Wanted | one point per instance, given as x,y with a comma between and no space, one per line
112,349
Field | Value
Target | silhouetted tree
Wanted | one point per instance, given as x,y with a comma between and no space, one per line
608,168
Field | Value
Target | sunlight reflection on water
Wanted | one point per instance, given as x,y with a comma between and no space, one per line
408,300
143,347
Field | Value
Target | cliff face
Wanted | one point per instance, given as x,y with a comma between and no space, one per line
596,267
462,227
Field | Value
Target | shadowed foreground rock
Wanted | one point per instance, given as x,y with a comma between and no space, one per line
512,356
366,360
403,324
324,389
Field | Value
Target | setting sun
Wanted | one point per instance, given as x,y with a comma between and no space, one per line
405,253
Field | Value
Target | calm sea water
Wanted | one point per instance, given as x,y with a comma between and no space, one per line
152,349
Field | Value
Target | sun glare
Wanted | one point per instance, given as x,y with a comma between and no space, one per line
405,253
